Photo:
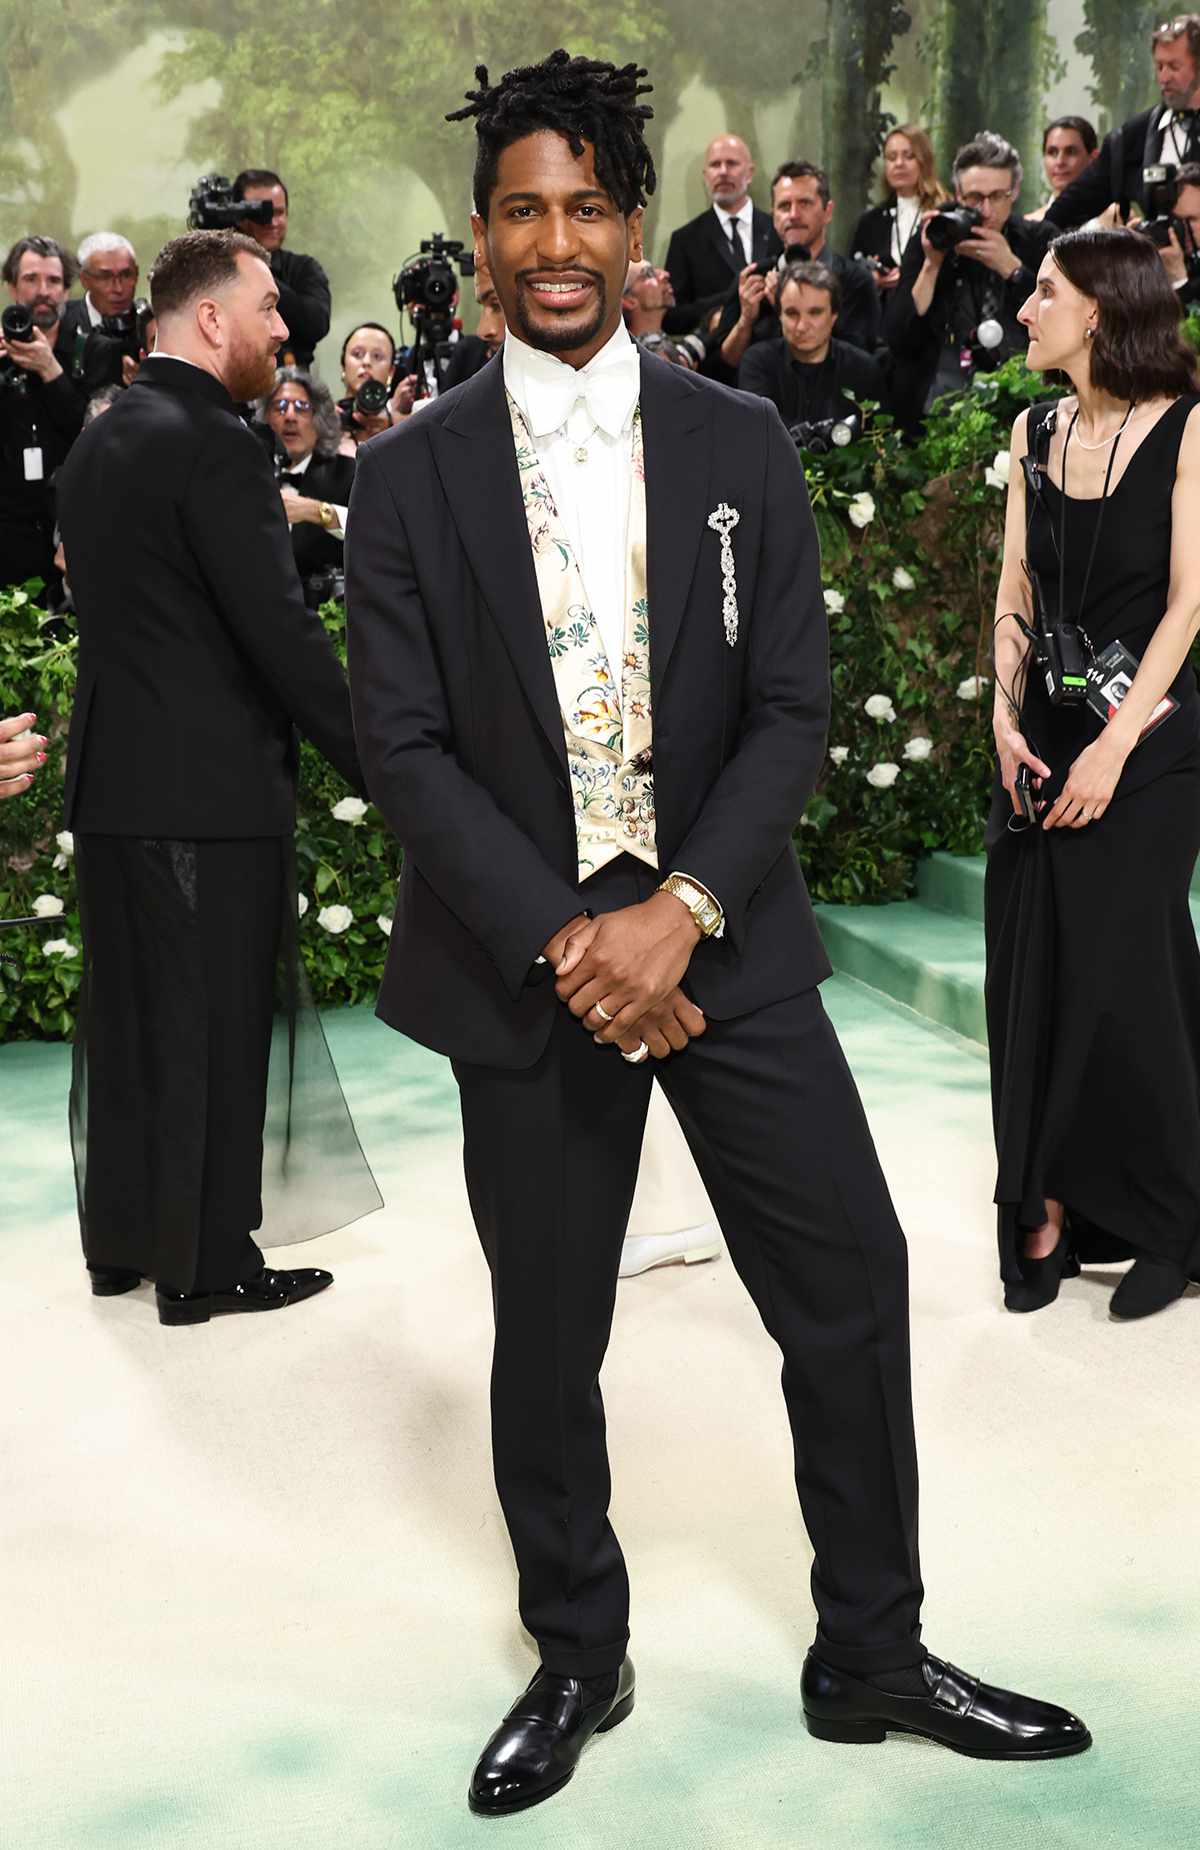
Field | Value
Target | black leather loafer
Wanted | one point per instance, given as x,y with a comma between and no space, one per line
958,1711
536,1748
1148,1287
109,1281
269,1291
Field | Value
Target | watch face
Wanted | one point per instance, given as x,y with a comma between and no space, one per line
707,916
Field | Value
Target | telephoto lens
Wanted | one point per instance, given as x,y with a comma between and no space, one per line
16,323
951,226
371,398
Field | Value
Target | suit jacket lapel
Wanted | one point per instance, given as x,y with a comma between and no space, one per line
676,419
716,231
474,456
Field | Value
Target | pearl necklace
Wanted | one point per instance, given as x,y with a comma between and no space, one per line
1080,444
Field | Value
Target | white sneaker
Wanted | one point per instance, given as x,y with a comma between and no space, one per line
643,1251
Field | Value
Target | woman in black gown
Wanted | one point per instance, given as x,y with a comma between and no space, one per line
1093,985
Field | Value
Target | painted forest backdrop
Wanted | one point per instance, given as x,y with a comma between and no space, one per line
110,109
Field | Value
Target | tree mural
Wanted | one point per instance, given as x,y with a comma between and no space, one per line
1116,38
990,62
858,63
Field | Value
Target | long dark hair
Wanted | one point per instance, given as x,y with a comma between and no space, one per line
1137,351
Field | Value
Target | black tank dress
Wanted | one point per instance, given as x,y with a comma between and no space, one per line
1093,971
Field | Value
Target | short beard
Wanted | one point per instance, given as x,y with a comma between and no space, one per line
250,374
562,340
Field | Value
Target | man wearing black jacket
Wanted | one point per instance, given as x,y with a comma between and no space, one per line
706,256
41,411
808,373
599,871
1168,134
196,658
304,299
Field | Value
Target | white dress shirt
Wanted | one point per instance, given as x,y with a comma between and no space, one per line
744,218
1175,139
904,223
567,408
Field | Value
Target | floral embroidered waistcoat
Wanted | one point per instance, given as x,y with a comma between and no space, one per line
606,721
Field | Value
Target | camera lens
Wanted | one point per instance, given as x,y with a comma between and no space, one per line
16,323
371,397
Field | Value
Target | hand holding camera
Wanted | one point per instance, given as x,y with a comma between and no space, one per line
752,293
23,345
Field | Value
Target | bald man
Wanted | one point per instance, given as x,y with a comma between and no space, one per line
706,256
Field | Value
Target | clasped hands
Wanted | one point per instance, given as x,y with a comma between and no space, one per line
619,975
1088,791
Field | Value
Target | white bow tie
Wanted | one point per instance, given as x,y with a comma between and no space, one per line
584,401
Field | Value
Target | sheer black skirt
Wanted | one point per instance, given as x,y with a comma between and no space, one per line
204,1102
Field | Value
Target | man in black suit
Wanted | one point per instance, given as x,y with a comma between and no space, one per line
41,410
801,209
305,302
196,656
581,519
1167,134
706,256
808,372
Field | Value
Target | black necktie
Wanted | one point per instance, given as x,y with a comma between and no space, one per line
736,245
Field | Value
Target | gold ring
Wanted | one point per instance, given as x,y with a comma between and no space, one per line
603,1012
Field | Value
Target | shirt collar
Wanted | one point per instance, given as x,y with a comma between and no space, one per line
93,313
291,468
744,215
546,389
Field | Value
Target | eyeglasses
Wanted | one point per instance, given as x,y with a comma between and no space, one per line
282,406
979,200
113,276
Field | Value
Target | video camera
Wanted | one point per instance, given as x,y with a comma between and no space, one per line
952,225
212,206
820,435
426,287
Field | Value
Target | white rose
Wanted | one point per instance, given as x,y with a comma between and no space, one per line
835,603
838,754
903,580
301,904
862,510
972,687
66,843
997,475
880,707
918,749
883,776
350,809
48,906
385,924
60,947
335,919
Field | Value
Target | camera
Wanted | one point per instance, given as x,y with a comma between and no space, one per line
878,266
820,435
426,287
370,399
127,332
952,225
680,349
16,323
212,206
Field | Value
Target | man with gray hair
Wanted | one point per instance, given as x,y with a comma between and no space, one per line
100,330
954,310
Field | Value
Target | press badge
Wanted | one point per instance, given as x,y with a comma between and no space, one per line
34,468
1110,677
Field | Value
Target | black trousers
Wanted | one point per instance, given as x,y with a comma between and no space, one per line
771,1114
171,1056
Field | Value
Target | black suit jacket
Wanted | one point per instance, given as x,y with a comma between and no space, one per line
327,478
196,652
461,733
859,315
1116,173
304,302
701,266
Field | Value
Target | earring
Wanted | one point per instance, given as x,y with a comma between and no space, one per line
1088,333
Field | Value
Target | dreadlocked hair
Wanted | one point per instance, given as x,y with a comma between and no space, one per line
582,99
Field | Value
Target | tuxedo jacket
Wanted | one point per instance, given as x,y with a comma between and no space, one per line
1116,173
196,652
461,733
327,478
701,266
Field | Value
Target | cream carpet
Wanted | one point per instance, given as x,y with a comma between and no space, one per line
257,1594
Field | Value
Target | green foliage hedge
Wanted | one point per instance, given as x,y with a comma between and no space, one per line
909,537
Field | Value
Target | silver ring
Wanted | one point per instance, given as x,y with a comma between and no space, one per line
603,1012
640,1053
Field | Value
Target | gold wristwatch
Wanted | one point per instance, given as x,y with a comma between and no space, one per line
706,913
326,514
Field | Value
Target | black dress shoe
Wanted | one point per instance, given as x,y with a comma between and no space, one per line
269,1291
534,1751
1040,1279
109,1281
1149,1285
957,1710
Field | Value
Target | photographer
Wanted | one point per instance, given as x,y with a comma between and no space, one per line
1165,135
801,208
1069,146
1177,235
304,299
41,407
368,359
807,373
314,480
103,331
884,232
954,311
471,354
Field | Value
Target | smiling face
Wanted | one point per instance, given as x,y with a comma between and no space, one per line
1058,318
557,246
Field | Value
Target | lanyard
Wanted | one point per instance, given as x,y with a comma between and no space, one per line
1062,522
